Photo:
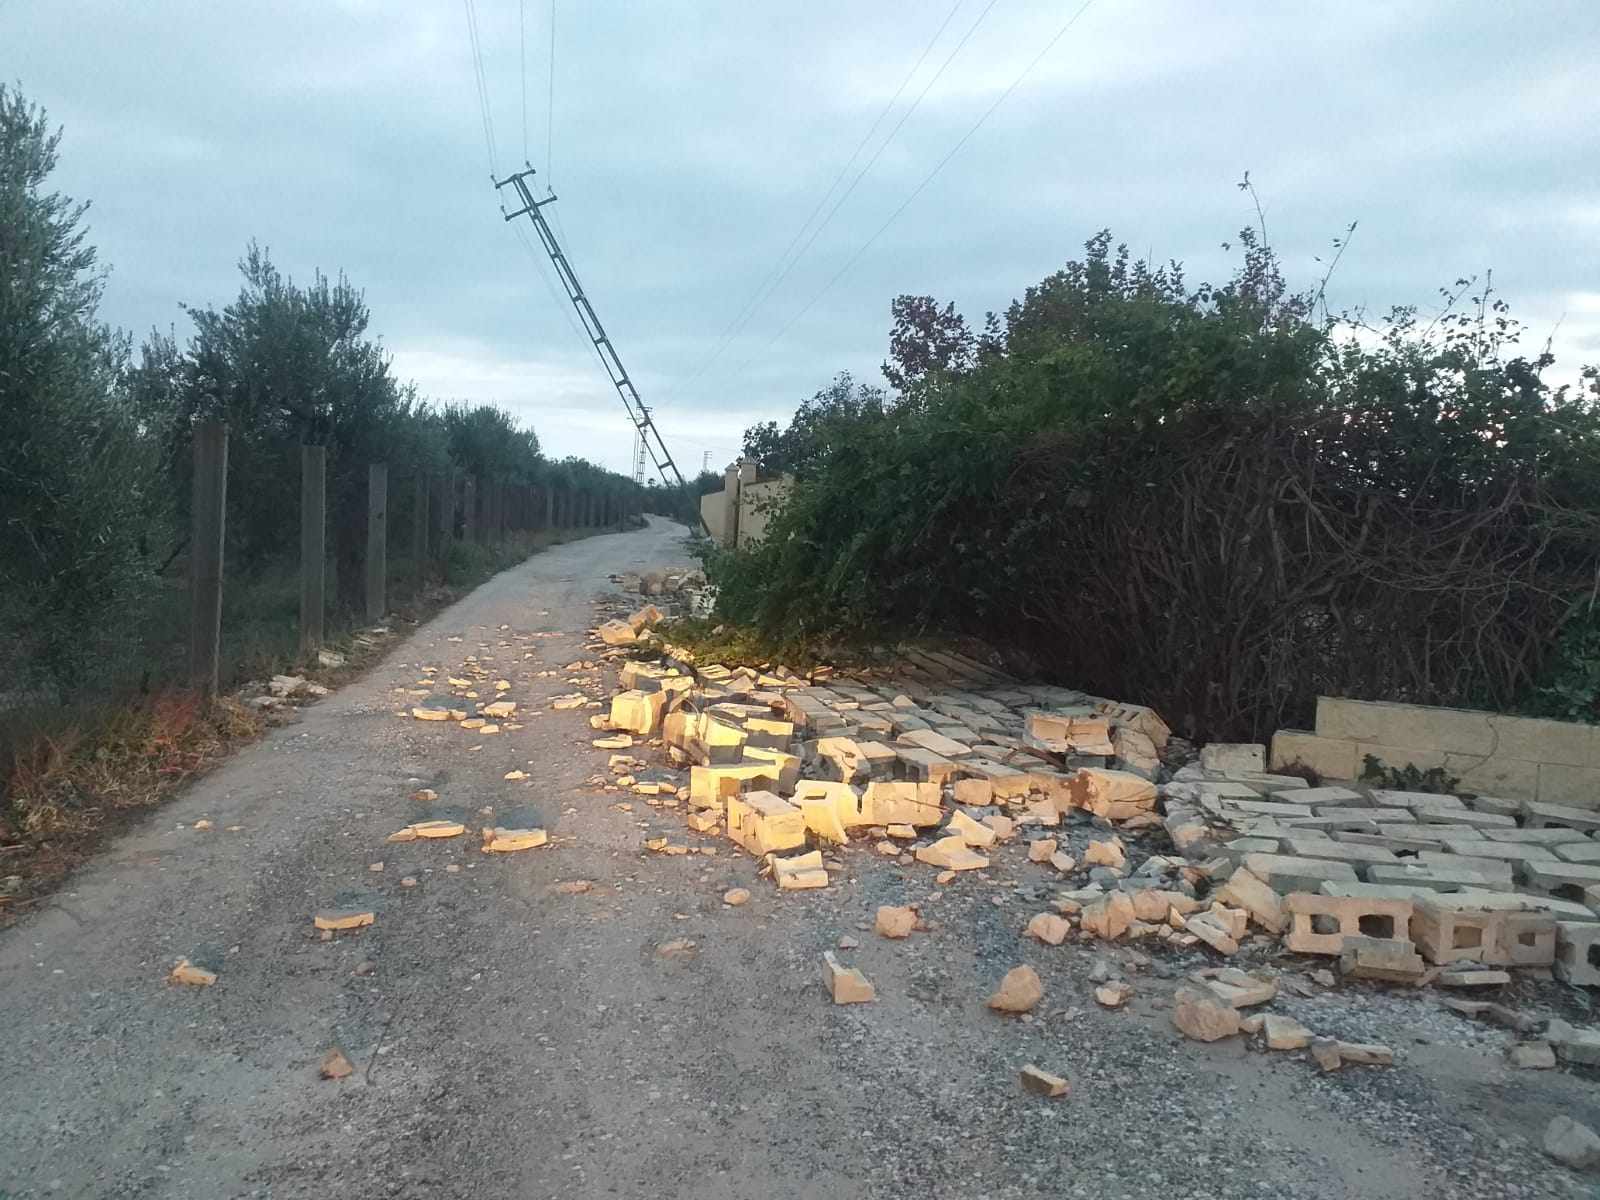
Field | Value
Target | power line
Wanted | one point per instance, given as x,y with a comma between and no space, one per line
769,286
748,310
550,105
926,180
522,47
482,83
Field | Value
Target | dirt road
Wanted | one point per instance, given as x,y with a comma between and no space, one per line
514,1040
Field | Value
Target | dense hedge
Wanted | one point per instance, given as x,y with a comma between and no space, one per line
1214,499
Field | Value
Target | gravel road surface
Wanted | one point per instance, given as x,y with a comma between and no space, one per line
513,1039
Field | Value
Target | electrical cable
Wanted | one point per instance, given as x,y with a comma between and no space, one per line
926,180
769,287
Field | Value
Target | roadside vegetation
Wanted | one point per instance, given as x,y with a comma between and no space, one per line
1218,499
95,482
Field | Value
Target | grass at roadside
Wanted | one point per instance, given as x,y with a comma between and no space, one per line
73,772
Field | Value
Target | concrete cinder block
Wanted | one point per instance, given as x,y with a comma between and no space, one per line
1490,930
1445,933
1320,924
1359,856
1391,960
1565,881
1233,756
1286,873
1528,940
1578,953
762,823
1537,814
1331,758
1450,875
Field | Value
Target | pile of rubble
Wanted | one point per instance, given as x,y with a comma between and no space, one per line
945,762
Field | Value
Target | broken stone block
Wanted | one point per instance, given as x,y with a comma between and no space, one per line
1114,994
499,840
853,762
427,829
1385,959
799,872
1201,1016
973,791
1326,1053
846,985
617,633
820,813
335,1065
894,921
1243,890
952,853
901,803
1109,853
1004,827
1472,978
343,918
762,822
1109,917
1049,928
1240,989
500,709
620,742
1209,928
432,713
1285,1033
935,743
1234,757
1321,924
1063,862
646,616
1040,851
1532,1056
1366,1054
711,787
638,712
1577,958
1285,874
1570,1142
187,972
973,833
1042,1083
1113,795
1018,992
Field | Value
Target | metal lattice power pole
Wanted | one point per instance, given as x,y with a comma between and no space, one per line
638,412
638,459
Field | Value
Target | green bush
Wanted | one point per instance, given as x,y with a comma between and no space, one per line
1205,498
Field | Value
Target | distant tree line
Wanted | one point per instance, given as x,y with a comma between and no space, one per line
95,435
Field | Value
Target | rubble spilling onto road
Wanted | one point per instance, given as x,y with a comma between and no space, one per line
943,762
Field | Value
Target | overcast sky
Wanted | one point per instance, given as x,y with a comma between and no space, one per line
690,142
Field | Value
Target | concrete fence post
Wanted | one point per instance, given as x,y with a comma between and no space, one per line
377,539
419,530
313,545
209,516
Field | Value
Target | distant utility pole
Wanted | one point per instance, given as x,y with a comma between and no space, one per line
638,412
638,459
705,462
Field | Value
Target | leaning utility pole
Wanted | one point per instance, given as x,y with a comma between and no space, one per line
638,413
